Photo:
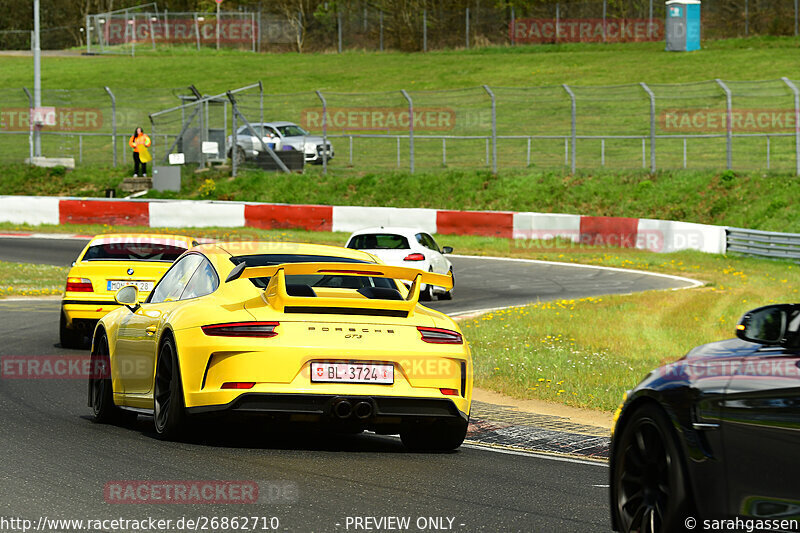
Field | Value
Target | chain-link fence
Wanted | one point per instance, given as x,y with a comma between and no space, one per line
412,25
713,124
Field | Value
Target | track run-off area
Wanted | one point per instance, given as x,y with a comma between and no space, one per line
58,464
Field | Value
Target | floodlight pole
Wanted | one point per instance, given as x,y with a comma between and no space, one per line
37,80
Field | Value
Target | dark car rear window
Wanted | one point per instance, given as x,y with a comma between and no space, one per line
378,241
321,280
133,251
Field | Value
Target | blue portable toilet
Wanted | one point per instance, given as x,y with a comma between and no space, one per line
683,25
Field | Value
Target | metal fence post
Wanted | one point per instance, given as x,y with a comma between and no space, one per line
234,144
652,126
605,8
729,122
339,28
261,104
794,89
324,132
746,18
410,128
513,25
466,19
153,133
558,18
795,17
114,123
573,133
381,30
30,124
424,30
494,129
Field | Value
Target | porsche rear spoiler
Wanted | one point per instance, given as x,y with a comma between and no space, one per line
279,298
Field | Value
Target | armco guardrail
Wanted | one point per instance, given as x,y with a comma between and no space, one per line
763,243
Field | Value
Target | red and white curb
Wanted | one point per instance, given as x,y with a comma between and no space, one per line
648,234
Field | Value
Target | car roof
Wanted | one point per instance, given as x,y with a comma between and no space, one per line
264,247
276,123
399,230
156,238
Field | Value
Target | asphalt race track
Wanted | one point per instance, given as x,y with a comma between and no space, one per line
56,462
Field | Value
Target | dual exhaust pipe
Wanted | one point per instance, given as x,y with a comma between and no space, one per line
344,409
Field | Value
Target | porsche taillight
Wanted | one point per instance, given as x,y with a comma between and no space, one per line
440,336
242,329
414,257
79,285
449,392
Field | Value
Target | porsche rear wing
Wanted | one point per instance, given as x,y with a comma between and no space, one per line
279,298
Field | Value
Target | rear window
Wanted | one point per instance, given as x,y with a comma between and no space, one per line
378,241
320,280
133,251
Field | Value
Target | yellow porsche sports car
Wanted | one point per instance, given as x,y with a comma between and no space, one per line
106,264
298,332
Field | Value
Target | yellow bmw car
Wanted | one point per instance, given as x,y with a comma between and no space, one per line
106,264
298,332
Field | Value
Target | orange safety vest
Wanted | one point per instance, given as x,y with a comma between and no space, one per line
134,142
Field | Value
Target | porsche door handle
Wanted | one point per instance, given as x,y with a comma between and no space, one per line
150,330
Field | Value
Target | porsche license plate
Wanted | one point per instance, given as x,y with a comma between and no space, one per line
352,373
117,284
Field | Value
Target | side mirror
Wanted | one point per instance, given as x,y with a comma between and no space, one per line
447,249
128,296
769,325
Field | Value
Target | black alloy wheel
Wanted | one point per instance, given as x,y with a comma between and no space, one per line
649,483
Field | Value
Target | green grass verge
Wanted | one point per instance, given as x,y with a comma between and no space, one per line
583,353
751,200
24,279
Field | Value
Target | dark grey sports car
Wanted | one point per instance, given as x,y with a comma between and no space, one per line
712,441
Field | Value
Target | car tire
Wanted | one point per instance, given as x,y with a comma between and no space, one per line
169,412
426,295
101,388
448,295
649,488
68,337
436,437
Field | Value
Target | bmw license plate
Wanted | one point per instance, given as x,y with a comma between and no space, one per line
116,284
352,373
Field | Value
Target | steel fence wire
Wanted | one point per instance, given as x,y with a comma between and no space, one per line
369,131
743,125
14,126
612,126
533,126
452,128
686,138
279,113
762,107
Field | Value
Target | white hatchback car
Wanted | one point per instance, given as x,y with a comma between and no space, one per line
406,247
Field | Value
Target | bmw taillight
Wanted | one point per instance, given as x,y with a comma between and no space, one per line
79,285
238,385
440,336
242,329
414,257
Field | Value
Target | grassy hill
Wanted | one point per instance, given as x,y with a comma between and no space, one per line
579,64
